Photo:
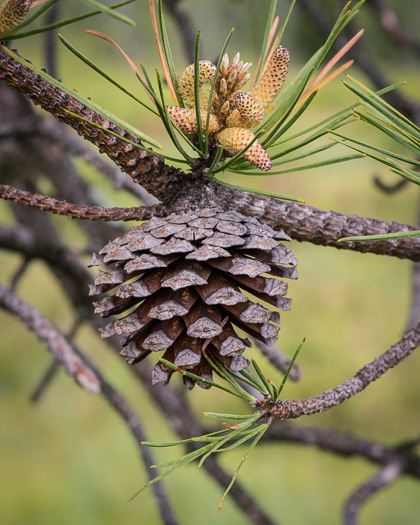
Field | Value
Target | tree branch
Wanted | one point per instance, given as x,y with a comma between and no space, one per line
92,213
379,481
366,375
344,445
306,223
188,191
143,167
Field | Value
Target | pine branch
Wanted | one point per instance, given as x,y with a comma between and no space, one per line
92,213
306,223
143,167
188,191
366,375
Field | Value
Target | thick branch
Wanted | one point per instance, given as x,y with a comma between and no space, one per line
92,213
143,167
189,191
366,375
305,223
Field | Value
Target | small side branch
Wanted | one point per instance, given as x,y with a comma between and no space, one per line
366,375
91,213
379,481
346,445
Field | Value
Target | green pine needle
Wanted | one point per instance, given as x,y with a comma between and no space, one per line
110,12
384,237
292,362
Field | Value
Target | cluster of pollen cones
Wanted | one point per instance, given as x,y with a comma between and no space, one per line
185,285
232,112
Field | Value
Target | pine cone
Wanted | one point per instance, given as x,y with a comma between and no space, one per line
183,281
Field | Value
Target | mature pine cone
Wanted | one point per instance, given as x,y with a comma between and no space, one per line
182,280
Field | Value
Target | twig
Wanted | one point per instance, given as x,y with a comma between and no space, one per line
366,375
92,213
344,444
50,41
53,368
391,25
49,374
59,134
19,273
379,481
23,240
56,343
389,188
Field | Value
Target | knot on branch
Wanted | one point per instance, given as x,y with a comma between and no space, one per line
272,409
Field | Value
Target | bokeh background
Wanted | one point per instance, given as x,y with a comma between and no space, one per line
69,459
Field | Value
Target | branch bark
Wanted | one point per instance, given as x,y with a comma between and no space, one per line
346,445
366,375
181,191
92,213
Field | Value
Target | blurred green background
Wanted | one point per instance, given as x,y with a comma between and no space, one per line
70,459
